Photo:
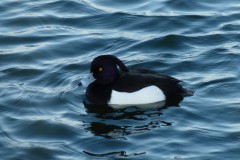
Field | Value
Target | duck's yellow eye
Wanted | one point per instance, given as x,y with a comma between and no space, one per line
100,69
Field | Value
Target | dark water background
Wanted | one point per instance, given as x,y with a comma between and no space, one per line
46,47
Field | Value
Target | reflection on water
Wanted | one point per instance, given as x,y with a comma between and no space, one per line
130,120
119,124
119,153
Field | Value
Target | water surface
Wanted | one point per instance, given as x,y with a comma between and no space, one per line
46,47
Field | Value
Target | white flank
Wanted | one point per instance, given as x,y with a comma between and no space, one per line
147,95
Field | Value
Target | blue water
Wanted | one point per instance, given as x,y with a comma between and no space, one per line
46,48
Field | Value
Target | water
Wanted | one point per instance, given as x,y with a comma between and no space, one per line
46,48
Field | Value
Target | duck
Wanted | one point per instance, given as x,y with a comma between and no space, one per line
110,82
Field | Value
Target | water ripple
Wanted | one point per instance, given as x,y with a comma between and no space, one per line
47,47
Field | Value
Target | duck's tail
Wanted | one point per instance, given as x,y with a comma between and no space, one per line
187,93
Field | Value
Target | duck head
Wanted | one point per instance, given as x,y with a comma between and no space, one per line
104,70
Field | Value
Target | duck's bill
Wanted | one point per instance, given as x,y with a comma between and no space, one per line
87,80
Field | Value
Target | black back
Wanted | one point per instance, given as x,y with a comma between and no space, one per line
131,82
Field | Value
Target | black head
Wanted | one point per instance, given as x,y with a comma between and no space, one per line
105,69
